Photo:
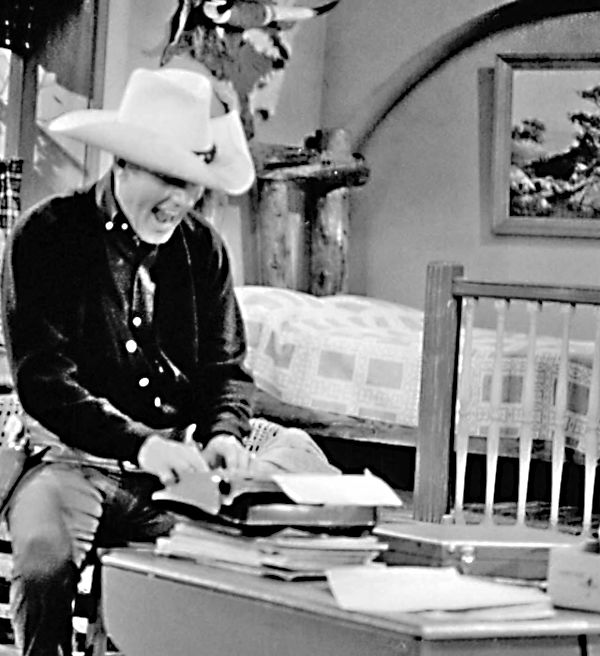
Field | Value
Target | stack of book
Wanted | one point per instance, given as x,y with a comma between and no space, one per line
211,545
289,554
293,554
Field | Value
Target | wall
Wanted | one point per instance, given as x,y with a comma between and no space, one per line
429,194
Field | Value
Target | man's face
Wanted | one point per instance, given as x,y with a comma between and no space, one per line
154,204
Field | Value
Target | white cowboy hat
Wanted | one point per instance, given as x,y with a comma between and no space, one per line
164,125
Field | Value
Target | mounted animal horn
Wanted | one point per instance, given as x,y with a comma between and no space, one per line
247,15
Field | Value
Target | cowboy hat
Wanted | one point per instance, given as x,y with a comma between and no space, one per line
163,124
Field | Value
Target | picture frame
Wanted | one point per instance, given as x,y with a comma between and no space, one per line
546,140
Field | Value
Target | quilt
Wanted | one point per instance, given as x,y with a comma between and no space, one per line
361,357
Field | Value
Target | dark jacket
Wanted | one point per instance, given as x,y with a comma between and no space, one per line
84,364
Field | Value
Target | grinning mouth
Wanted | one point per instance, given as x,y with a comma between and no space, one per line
164,217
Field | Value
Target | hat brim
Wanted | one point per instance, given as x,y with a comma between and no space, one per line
231,171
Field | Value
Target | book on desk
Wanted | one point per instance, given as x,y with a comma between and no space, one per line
333,502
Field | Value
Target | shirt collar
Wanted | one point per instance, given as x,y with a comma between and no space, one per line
105,196
116,226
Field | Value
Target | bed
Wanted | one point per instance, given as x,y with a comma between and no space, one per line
374,382
357,361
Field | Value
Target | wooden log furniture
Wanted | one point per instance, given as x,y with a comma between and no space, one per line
302,212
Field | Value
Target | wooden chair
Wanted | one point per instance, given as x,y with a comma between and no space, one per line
445,436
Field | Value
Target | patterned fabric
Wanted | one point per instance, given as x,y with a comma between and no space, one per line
361,357
478,411
347,354
11,173
281,449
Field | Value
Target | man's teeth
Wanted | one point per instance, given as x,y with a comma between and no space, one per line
163,217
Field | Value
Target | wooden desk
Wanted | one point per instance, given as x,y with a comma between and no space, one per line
155,605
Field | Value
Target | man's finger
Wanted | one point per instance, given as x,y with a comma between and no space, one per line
169,478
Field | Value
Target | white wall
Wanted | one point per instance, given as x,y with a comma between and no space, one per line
429,193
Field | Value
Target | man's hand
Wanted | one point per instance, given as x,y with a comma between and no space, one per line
226,452
170,460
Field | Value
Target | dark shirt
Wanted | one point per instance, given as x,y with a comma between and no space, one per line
110,338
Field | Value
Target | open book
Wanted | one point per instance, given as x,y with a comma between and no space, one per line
282,499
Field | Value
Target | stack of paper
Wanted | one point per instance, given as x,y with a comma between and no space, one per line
299,552
212,546
338,490
439,590
289,554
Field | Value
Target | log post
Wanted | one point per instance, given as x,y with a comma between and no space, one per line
282,247
303,213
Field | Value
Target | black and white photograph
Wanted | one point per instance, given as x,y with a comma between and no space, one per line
299,327
546,144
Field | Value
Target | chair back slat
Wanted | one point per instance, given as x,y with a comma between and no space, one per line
493,436
591,431
560,416
464,422
526,437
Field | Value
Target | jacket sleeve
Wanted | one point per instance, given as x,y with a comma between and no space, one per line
225,383
40,279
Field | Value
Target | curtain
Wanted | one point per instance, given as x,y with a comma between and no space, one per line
11,173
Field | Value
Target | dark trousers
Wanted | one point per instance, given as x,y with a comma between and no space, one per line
58,514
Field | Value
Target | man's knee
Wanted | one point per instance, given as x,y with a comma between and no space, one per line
43,558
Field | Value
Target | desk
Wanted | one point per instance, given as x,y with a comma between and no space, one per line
155,605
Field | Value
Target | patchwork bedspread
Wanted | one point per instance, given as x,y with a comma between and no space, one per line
361,357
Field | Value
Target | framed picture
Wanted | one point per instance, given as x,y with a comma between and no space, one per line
546,145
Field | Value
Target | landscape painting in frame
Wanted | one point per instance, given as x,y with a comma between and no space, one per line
546,145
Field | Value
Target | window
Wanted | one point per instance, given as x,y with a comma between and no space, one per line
62,71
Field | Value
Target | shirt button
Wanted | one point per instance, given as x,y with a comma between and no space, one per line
131,345
161,369
136,321
109,225
157,401
124,226
144,382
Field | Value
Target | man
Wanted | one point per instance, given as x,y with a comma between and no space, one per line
124,338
